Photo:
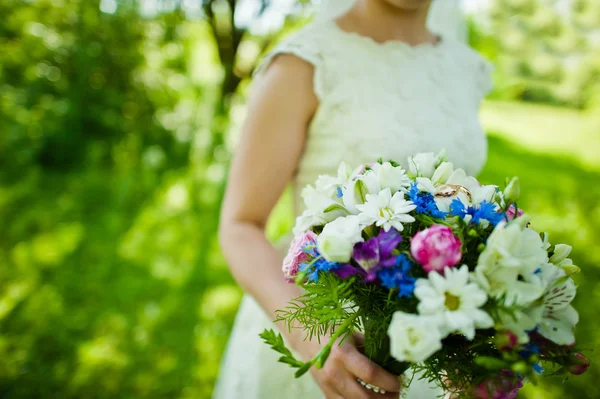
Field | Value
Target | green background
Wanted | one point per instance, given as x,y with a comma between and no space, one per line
117,121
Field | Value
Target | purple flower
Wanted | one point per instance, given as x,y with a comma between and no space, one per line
376,253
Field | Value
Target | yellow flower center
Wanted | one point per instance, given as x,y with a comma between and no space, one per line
452,302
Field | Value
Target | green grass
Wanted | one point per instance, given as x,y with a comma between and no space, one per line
540,128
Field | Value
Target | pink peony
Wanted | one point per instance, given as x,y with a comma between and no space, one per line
578,364
296,255
503,386
510,212
436,248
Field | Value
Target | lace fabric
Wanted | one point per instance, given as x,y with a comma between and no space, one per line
388,100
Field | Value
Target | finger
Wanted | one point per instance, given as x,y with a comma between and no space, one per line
351,389
331,394
359,339
379,394
370,372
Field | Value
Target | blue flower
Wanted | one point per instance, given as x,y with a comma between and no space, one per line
425,202
397,277
529,349
316,265
339,193
538,369
485,211
457,208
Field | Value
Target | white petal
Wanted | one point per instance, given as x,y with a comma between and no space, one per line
559,328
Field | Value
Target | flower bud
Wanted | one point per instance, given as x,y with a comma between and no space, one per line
571,269
520,367
512,192
577,364
561,252
506,340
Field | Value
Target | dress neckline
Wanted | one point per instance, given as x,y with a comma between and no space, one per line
368,40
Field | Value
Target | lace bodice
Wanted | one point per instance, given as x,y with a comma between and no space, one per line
388,100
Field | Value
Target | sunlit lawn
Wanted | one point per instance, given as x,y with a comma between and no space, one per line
540,128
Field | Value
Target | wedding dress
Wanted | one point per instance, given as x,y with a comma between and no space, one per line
388,100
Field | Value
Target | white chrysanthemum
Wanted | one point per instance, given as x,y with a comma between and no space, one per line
507,266
454,301
387,211
413,338
392,177
336,241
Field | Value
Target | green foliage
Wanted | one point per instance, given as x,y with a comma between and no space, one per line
94,154
322,308
275,341
544,50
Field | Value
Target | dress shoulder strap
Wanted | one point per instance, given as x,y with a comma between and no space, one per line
306,44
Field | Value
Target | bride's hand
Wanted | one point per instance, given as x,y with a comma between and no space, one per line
338,377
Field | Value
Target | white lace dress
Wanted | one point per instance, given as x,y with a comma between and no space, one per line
386,100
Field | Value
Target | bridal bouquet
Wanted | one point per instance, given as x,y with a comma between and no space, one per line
440,273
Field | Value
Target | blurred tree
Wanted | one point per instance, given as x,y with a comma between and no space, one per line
113,117
546,49
97,111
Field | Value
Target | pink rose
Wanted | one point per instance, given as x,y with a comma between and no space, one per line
504,386
436,248
510,212
296,255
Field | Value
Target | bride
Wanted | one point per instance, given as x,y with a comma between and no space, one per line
372,81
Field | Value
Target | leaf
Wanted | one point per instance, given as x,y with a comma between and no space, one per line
360,190
292,362
335,207
276,342
302,370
